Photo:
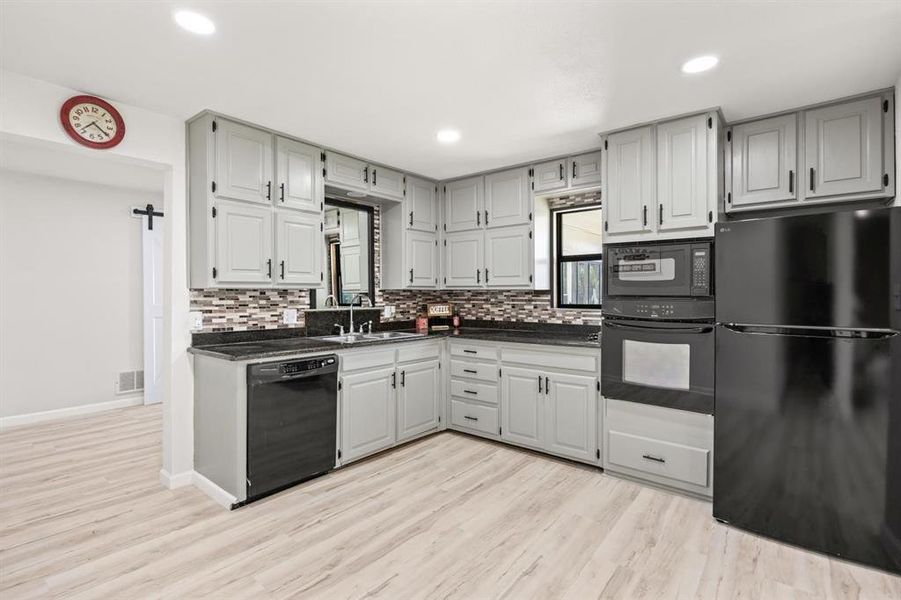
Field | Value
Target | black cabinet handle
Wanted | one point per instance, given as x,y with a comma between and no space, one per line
486,275
561,171
653,458
269,268
478,218
547,385
470,392
282,264
268,190
411,218
791,182
403,374
478,276
411,275
471,351
661,214
574,169
468,418
373,176
281,192
644,218
486,217
811,178
540,391
393,375
473,371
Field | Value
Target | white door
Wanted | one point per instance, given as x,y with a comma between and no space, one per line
299,176
386,183
417,399
152,243
367,412
629,182
463,258
346,172
764,161
508,257
843,149
682,177
421,259
351,269
508,198
243,243
421,205
243,162
585,169
550,176
570,419
463,204
522,406
298,238
350,227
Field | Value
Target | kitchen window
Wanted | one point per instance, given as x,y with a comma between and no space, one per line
578,257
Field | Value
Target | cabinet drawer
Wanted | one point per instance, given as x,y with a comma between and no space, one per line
474,416
474,370
483,392
367,360
411,352
665,459
551,360
473,351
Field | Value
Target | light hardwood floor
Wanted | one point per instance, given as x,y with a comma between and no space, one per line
449,516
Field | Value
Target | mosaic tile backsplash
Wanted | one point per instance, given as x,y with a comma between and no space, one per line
247,309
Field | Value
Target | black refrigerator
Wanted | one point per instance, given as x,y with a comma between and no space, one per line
808,382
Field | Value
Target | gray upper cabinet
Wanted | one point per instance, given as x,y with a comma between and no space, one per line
421,205
683,174
298,242
629,182
243,243
507,198
299,176
386,183
764,162
243,162
508,257
585,169
463,259
843,148
421,259
550,176
346,172
463,204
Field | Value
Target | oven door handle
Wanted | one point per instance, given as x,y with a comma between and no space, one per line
700,329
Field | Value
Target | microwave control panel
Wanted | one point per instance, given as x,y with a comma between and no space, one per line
700,269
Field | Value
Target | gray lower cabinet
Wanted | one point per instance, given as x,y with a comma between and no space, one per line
522,407
417,398
368,412
570,416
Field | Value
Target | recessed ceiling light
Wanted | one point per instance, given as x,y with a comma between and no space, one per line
700,64
448,136
194,22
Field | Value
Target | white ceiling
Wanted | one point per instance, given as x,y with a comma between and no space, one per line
521,80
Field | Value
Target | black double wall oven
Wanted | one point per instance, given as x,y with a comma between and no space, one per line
658,332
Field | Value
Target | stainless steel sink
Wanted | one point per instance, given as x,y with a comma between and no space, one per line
348,338
391,335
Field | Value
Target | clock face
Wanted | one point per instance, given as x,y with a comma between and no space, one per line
92,122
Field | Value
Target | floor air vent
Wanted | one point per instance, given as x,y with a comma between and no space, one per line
130,381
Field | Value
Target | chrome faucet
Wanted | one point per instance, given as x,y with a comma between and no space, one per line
359,296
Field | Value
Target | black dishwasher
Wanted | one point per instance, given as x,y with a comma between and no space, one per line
292,414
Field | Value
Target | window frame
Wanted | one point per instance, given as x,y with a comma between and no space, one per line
559,258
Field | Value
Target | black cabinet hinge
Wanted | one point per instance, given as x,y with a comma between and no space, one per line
530,234
214,126
599,384
339,452
323,172
214,212
445,281
445,229
606,226
533,185
885,106
445,189
321,227
213,186
530,216
439,416
500,431
436,242
710,217
885,179
215,272
445,243
597,453
321,276
729,136
605,144
709,122
322,156
729,197
530,279
340,386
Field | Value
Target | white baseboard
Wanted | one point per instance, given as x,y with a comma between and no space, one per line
219,496
72,411
175,481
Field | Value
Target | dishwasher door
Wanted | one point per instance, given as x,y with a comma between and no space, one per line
292,413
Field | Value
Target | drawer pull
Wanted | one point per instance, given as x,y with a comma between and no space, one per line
470,392
468,418
471,371
471,351
653,458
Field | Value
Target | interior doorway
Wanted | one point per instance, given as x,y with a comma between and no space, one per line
152,275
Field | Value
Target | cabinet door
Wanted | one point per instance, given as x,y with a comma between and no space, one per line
386,183
346,172
421,205
298,238
417,399
629,181
243,243
522,407
421,259
298,176
507,198
350,227
550,176
682,174
843,148
463,204
463,259
351,269
585,169
367,412
508,257
243,162
571,416
764,161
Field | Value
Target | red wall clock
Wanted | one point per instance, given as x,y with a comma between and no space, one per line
92,122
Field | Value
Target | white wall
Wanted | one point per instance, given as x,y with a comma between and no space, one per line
29,109
70,291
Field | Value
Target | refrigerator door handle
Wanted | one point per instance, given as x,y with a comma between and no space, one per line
812,331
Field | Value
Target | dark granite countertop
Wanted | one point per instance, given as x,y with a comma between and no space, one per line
297,344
